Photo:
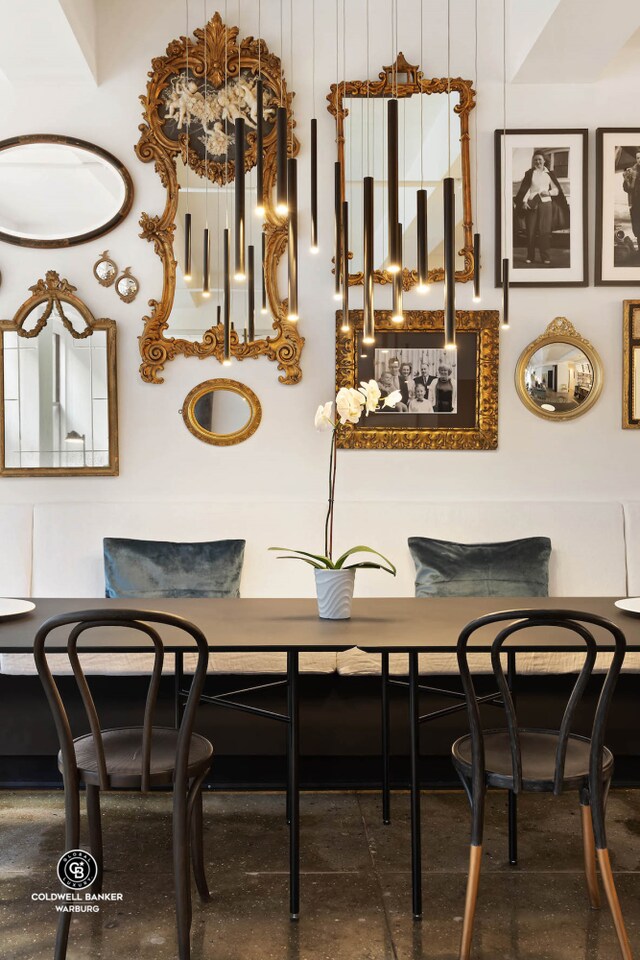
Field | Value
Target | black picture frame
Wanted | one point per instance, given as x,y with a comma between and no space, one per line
606,267
537,137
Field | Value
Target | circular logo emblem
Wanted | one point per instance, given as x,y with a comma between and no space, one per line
77,869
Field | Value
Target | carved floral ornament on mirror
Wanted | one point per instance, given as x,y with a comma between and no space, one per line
193,94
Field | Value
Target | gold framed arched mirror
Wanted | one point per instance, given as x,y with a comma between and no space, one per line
194,94
559,375
222,412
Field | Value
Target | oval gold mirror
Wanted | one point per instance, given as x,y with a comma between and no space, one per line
559,375
222,412
61,190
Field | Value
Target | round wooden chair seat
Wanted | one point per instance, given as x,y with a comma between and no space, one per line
123,750
538,752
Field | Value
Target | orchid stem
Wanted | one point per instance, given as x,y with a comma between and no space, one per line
328,524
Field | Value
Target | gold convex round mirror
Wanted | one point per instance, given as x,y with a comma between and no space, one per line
559,375
222,412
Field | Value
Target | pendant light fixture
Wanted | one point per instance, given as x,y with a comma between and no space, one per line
206,292
251,292
368,313
397,315
259,124
505,259
395,261
226,300
449,205
292,203
421,199
344,259
187,216
313,248
240,266
476,236
338,230
281,140
263,252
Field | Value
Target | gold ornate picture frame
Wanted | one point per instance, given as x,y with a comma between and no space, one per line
217,52
389,84
455,408
631,365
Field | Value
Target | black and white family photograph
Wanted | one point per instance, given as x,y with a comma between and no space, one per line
618,206
540,188
426,379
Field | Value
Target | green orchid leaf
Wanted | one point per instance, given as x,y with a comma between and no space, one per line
324,562
312,563
362,549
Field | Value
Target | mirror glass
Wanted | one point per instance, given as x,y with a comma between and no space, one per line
221,412
59,193
425,127
56,401
559,378
635,387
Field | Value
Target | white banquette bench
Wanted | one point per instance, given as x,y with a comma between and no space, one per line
55,550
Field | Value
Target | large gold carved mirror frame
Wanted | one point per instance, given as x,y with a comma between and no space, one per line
215,47
389,85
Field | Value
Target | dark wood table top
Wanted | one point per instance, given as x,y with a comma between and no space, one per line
395,624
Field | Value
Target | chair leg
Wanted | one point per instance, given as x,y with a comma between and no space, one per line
182,880
72,842
197,847
473,880
589,849
95,832
385,724
614,904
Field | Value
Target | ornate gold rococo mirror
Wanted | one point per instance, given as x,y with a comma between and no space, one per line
194,95
433,139
559,375
222,412
57,387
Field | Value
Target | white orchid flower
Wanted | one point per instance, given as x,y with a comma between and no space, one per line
371,393
392,399
349,404
322,420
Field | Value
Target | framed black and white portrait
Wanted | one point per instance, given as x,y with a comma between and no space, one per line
618,207
541,207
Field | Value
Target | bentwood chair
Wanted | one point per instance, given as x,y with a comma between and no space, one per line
543,761
132,758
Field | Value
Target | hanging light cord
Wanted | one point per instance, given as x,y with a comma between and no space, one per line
225,125
206,145
291,61
504,127
421,99
313,55
449,83
475,129
188,111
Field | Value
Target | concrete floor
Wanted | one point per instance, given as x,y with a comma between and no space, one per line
355,883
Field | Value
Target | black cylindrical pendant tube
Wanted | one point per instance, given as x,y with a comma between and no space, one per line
205,263
218,315
397,313
369,323
292,246
449,200
476,267
260,148
226,301
187,246
423,247
337,216
240,266
251,291
281,161
263,275
314,186
344,259
392,183
505,294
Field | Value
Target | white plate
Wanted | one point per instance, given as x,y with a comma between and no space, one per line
15,608
629,605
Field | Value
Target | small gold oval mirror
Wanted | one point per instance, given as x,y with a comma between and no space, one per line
559,375
222,412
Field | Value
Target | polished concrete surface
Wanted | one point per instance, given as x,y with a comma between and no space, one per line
355,882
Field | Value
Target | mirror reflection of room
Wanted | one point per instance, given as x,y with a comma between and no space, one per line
221,411
559,377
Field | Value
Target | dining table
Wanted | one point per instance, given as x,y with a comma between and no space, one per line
384,626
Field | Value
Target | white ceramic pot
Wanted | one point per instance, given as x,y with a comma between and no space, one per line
334,589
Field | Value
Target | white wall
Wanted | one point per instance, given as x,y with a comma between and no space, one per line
286,459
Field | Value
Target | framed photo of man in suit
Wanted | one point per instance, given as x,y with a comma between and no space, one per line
618,207
541,207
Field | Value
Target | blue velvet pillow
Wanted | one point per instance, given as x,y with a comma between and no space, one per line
159,568
513,568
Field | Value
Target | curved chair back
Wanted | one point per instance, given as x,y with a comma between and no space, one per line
518,620
138,620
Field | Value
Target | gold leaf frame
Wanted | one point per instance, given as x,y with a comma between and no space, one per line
415,83
560,330
483,435
222,439
223,53
630,343
55,291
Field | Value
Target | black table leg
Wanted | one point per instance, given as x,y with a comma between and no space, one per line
513,800
293,775
414,727
178,678
386,793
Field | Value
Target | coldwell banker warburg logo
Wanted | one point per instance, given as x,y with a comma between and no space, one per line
77,870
